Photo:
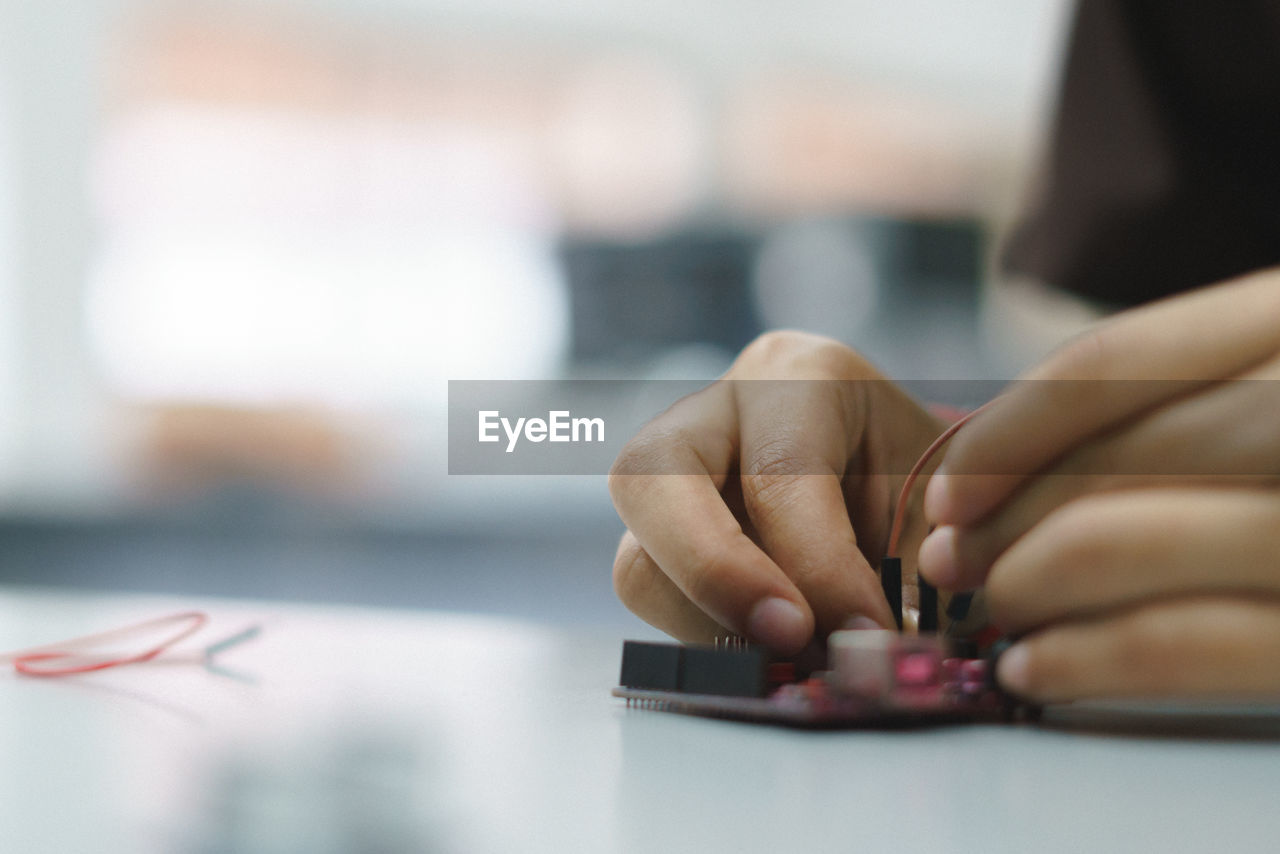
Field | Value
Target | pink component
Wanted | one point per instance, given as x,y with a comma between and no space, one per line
916,669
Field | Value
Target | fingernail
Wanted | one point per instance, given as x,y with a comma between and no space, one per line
938,562
937,498
860,624
779,624
1013,669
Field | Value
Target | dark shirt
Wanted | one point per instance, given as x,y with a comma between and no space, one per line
1164,168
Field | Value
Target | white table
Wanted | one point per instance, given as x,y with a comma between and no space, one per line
373,730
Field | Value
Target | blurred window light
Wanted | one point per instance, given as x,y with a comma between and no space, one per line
298,202
9,361
627,143
797,144
304,215
253,256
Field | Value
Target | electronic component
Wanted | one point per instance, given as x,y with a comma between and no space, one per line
651,666
874,677
732,671
891,584
928,620
958,607
728,673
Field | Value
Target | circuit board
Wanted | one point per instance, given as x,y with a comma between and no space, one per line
873,678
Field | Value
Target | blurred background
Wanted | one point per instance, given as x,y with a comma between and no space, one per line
245,245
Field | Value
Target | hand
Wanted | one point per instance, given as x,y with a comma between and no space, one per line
756,506
1122,505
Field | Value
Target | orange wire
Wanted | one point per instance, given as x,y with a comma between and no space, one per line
900,512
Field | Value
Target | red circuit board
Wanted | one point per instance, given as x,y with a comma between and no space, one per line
873,679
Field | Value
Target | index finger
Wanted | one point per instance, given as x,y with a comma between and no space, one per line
1140,359
796,441
664,486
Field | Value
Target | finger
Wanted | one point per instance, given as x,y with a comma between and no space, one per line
795,445
1190,647
954,558
683,523
1111,551
1225,433
653,597
1117,370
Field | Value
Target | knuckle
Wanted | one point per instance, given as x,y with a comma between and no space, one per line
779,458
618,483
776,482
776,344
632,575
773,474
638,456
658,449
765,496
800,354
649,453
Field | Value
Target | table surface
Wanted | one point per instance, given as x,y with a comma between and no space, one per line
349,729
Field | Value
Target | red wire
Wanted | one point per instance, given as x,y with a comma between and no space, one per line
22,662
900,512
